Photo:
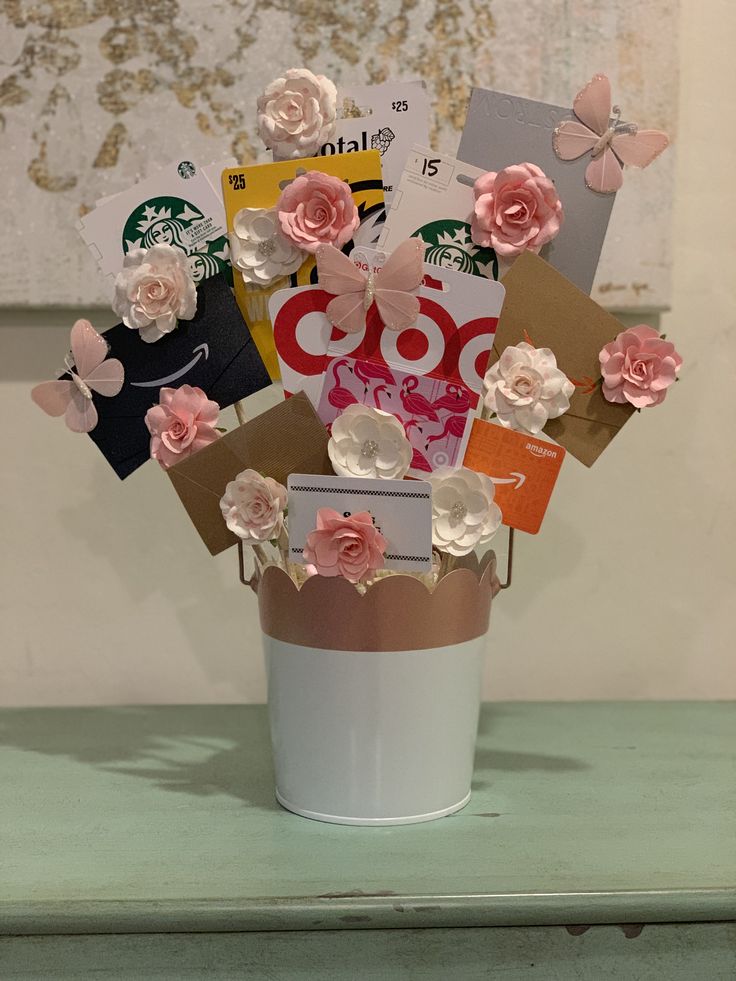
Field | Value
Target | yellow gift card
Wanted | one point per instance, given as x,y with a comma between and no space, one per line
260,186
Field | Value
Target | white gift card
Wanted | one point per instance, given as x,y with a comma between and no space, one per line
434,201
180,205
401,510
393,117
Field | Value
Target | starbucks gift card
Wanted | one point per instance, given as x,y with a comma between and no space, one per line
434,201
260,186
501,130
180,205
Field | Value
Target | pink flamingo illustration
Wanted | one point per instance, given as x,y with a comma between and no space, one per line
455,398
420,462
454,426
339,396
414,403
377,401
369,371
409,424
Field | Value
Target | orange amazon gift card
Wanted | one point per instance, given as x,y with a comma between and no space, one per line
523,469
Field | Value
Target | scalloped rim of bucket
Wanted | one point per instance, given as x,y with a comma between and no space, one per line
374,822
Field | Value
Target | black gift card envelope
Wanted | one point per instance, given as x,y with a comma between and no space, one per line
214,351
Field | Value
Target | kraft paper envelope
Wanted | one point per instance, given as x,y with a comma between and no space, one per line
557,315
289,438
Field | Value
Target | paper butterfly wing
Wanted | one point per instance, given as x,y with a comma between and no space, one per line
54,396
572,139
404,268
604,174
338,274
641,148
347,312
592,104
107,378
88,348
81,414
403,271
397,309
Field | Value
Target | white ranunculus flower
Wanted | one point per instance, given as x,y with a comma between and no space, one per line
525,388
366,442
297,114
154,290
464,513
258,248
253,507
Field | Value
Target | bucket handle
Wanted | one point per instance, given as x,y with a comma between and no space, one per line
509,560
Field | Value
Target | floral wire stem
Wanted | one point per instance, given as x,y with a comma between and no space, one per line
262,559
282,543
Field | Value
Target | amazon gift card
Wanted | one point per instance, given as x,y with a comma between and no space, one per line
214,351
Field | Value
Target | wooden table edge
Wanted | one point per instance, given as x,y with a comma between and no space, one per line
366,912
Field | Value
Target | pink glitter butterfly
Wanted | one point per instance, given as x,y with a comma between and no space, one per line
91,371
612,143
354,291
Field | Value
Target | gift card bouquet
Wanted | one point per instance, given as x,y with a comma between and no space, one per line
429,320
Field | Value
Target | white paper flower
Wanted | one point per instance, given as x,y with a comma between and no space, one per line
297,114
259,249
367,442
464,513
525,388
154,290
253,507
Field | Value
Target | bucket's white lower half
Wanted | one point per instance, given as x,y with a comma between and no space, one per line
372,737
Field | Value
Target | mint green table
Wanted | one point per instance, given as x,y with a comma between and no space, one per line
145,843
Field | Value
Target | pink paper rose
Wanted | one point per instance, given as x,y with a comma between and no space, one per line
638,367
183,422
516,209
154,291
316,209
350,547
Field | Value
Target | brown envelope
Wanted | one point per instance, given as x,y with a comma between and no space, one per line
289,438
557,315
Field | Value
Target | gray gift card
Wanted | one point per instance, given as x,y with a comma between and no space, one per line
501,130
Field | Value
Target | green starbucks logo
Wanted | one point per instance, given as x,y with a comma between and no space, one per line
173,221
449,245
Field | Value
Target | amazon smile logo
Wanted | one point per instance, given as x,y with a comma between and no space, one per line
200,351
541,450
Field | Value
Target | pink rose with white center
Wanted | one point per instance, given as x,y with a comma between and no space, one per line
525,388
297,114
317,209
516,209
154,290
351,547
183,422
253,507
638,367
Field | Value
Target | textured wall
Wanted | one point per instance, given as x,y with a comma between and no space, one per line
96,93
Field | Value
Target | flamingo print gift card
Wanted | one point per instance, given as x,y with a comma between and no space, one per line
434,412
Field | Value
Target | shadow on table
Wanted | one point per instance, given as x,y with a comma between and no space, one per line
196,750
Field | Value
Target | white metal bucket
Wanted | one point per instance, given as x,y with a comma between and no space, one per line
373,737
374,698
